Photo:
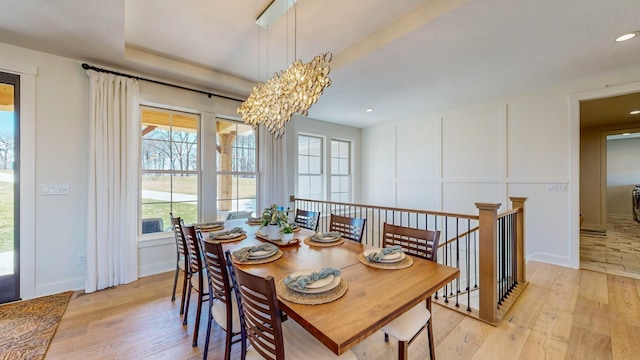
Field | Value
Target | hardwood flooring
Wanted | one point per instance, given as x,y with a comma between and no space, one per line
562,314
617,252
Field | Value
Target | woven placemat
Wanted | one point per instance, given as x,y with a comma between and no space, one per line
310,242
269,259
253,223
311,299
402,264
241,237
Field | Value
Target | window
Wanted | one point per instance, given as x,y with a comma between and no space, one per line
310,181
169,168
236,169
340,171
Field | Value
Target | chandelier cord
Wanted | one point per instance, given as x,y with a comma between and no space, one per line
291,91
295,31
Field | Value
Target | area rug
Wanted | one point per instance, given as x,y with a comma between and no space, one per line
27,327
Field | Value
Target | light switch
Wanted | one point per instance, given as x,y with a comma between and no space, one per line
557,187
55,189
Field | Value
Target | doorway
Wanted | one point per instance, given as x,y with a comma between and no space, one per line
9,187
609,170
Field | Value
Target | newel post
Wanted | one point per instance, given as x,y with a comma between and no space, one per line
518,203
488,261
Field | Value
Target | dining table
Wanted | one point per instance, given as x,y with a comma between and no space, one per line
374,296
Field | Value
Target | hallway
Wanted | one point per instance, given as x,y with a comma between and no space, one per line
617,253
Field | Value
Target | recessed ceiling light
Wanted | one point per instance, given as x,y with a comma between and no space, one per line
626,37
634,112
369,110
626,134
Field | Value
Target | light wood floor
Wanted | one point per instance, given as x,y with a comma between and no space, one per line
562,314
616,253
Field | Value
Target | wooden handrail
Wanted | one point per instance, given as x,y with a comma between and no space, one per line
292,198
459,236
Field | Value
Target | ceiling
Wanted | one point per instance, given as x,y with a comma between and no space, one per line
403,58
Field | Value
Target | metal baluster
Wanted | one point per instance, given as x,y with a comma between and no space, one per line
468,266
457,261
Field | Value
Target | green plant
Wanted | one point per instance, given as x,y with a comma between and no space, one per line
273,216
287,229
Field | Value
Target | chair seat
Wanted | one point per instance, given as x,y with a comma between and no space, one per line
299,344
219,313
408,324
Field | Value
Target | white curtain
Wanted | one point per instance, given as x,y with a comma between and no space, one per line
273,172
112,251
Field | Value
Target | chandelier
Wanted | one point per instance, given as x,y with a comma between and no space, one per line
288,92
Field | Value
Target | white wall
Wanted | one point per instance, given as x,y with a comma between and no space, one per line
449,159
49,258
623,173
57,115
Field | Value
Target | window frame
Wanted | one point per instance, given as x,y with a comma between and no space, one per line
323,163
326,159
255,173
197,172
348,175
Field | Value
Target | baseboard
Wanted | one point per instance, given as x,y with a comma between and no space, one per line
158,268
620,216
58,287
593,233
551,259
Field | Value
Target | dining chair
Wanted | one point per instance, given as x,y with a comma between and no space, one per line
182,260
349,228
269,337
307,219
423,244
196,276
223,307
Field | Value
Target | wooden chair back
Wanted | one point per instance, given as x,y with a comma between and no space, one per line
349,228
181,244
261,314
417,242
307,219
217,275
192,238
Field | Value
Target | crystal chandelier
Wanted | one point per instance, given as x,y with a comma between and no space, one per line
288,92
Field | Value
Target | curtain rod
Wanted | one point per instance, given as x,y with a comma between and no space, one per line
90,67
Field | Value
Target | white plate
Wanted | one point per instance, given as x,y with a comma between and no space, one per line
325,239
261,254
318,286
225,237
390,258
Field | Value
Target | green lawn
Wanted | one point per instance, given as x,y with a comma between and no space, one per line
189,185
6,216
188,212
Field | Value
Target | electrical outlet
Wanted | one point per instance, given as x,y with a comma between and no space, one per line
82,259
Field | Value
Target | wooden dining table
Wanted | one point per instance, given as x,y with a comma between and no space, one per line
374,296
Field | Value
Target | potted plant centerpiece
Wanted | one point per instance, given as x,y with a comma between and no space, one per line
287,232
272,220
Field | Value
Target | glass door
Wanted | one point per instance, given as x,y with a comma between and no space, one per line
9,187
